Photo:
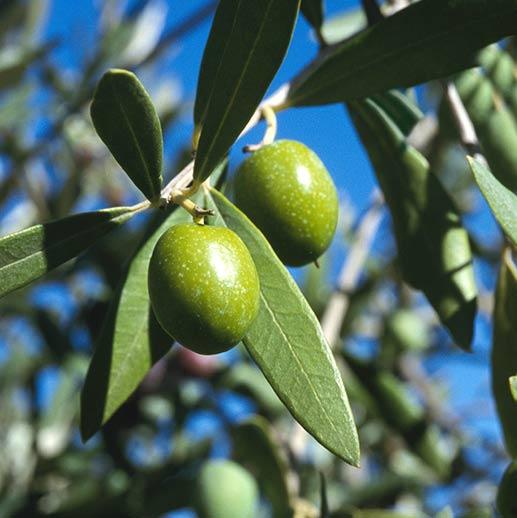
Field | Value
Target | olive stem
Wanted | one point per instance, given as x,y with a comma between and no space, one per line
143,205
468,135
337,307
185,177
269,115
181,197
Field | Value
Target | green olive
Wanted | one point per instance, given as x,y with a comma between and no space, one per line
288,193
203,286
224,489
507,494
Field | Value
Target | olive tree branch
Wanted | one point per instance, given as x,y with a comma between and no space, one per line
337,307
185,177
468,136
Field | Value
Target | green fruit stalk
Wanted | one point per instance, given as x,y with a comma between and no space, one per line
203,286
285,189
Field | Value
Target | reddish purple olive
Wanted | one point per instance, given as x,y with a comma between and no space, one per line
285,189
203,286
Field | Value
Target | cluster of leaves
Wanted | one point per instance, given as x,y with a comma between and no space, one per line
408,440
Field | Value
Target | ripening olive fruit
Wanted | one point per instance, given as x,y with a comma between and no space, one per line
203,286
288,193
507,493
224,489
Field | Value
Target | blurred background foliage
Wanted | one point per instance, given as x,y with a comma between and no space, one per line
428,430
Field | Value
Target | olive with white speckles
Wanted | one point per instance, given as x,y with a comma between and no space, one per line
285,189
203,286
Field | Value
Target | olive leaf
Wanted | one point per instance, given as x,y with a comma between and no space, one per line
250,54
504,349
30,253
131,340
433,247
224,20
288,345
501,200
400,109
126,120
255,447
428,40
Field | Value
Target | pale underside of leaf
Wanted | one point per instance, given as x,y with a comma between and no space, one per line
288,345
30,253
501,200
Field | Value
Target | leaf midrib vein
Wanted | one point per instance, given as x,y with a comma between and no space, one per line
135,139
222,121
63,242
302,369
384,57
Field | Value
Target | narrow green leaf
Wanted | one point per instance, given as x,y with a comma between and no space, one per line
313,12
224,21
400,109
30,253
504,350
255,447
288,345
254,49
126,120
131,340
513,387
501,200
433,247
428,40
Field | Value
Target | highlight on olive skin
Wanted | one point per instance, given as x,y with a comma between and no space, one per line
285,189
203,286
